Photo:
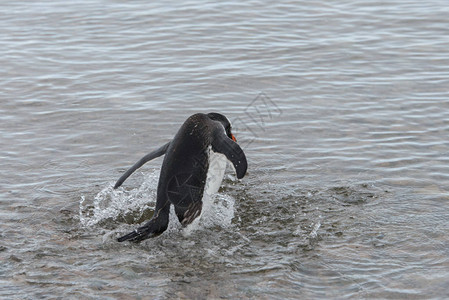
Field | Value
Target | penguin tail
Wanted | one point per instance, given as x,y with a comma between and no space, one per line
141,162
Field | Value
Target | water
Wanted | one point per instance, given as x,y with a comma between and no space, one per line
342,109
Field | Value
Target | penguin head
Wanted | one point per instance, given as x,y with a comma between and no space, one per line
225,122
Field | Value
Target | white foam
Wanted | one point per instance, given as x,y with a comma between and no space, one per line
313,234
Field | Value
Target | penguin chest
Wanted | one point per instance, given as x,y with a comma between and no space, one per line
216,171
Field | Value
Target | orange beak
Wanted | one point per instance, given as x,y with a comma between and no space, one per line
233,138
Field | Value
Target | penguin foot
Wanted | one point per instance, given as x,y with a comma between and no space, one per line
149,230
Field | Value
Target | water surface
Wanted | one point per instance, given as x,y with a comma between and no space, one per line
342,110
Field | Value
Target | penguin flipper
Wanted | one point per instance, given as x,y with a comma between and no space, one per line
141,162
192,212
223,144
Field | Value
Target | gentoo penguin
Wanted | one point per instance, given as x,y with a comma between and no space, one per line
196,156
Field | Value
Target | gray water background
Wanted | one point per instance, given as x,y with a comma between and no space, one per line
341,107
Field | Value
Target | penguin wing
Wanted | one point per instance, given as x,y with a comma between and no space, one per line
141,162
223,144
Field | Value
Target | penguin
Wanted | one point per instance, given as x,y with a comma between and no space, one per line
194,165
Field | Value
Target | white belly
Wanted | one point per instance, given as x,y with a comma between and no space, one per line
215,174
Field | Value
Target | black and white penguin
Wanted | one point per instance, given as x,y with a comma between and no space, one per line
194,165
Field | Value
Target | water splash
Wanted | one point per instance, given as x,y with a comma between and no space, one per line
110,204
314,233
306,236
218,210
